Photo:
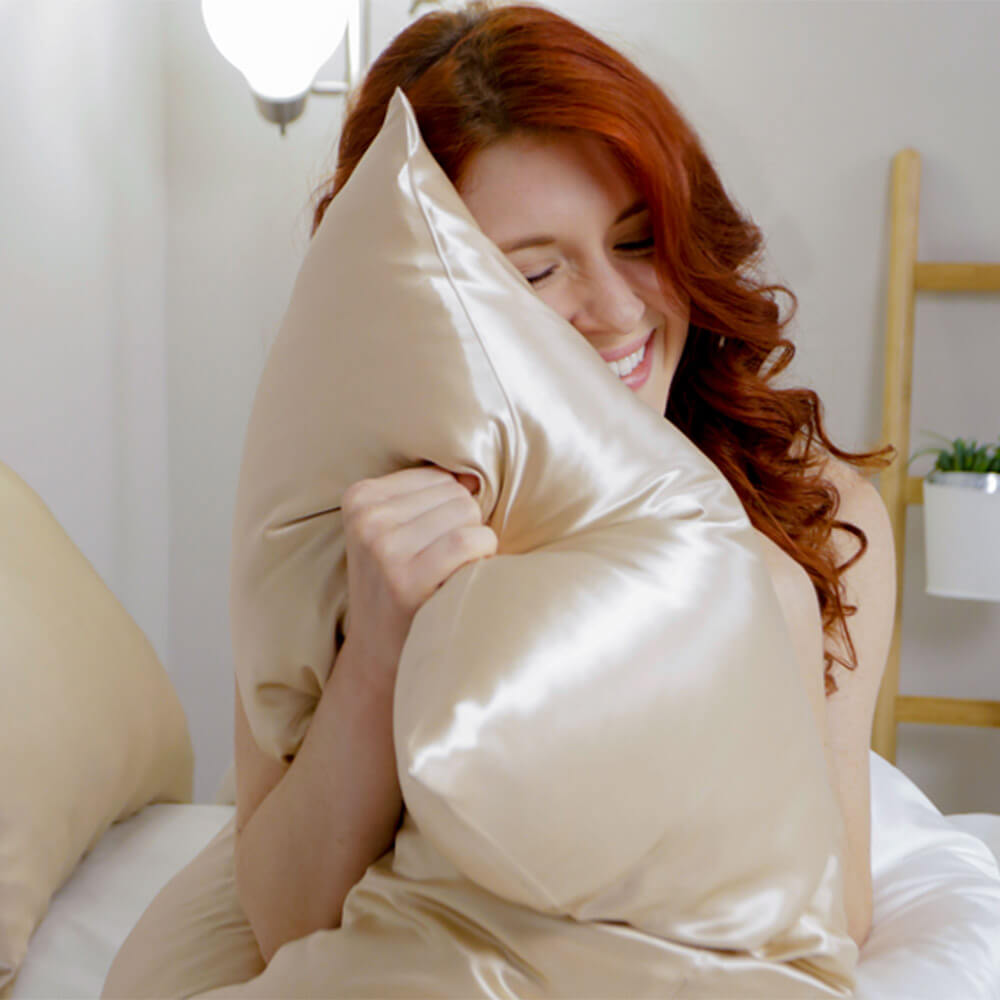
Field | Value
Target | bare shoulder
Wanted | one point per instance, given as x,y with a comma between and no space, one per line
870,583
862,505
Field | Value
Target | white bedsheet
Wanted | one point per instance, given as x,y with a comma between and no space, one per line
71,952
936,925
936,933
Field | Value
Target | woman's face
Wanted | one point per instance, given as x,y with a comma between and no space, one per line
566,216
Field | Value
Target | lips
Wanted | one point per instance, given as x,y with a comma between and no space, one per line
623,352
636,379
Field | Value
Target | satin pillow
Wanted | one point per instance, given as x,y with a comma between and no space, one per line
603,722
91,729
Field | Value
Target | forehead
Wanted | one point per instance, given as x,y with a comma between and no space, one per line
524,182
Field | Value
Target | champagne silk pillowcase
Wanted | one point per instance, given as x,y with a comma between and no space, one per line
603,722
91,729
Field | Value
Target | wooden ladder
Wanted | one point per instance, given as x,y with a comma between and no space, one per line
907,276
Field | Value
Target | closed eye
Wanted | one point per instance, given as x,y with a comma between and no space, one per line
636,246
540,275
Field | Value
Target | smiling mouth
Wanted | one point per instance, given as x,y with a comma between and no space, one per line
633,368
622,352
626,365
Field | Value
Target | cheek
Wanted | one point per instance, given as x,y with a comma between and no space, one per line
642,275
556,299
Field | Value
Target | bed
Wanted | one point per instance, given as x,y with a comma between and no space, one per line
936,931
95,810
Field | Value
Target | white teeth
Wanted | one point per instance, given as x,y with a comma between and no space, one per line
625,366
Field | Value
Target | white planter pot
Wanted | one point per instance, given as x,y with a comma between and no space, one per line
962,534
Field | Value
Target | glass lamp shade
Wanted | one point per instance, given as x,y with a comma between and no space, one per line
278,45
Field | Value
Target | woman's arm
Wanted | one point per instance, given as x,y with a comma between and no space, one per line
844,719
871,585
306,832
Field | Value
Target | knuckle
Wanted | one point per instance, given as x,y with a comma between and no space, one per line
353,498
370,527
463,540
383,547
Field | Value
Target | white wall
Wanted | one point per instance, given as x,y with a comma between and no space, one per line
131,317
82,289
235,236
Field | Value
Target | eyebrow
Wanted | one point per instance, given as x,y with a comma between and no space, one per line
538,241
634,209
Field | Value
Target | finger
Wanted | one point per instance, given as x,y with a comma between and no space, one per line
407,539
404,508
370,491
448,553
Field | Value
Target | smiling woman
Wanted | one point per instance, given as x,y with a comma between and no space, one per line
598,190
491,85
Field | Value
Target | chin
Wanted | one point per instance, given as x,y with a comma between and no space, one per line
654,400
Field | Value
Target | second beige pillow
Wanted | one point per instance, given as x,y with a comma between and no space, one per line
91,729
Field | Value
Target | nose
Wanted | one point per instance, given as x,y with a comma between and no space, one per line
607,302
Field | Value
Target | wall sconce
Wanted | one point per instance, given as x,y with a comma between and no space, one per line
279,46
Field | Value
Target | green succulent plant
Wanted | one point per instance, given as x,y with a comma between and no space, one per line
962,455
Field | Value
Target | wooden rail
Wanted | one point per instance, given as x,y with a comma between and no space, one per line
938,276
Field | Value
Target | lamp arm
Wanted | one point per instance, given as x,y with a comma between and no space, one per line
326,88
358,41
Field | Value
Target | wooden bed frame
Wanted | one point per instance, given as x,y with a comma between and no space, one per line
907,275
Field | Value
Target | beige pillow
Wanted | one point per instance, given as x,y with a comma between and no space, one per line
90,726
604,724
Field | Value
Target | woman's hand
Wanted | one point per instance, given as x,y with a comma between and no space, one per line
405,533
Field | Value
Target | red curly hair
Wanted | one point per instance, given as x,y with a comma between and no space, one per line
480,74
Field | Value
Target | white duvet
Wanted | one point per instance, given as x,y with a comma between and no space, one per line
936,931
936,926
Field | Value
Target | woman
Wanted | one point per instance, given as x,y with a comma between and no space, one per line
590,181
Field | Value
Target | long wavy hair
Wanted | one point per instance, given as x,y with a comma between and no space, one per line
482,73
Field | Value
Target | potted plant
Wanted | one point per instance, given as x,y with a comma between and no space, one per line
962,520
